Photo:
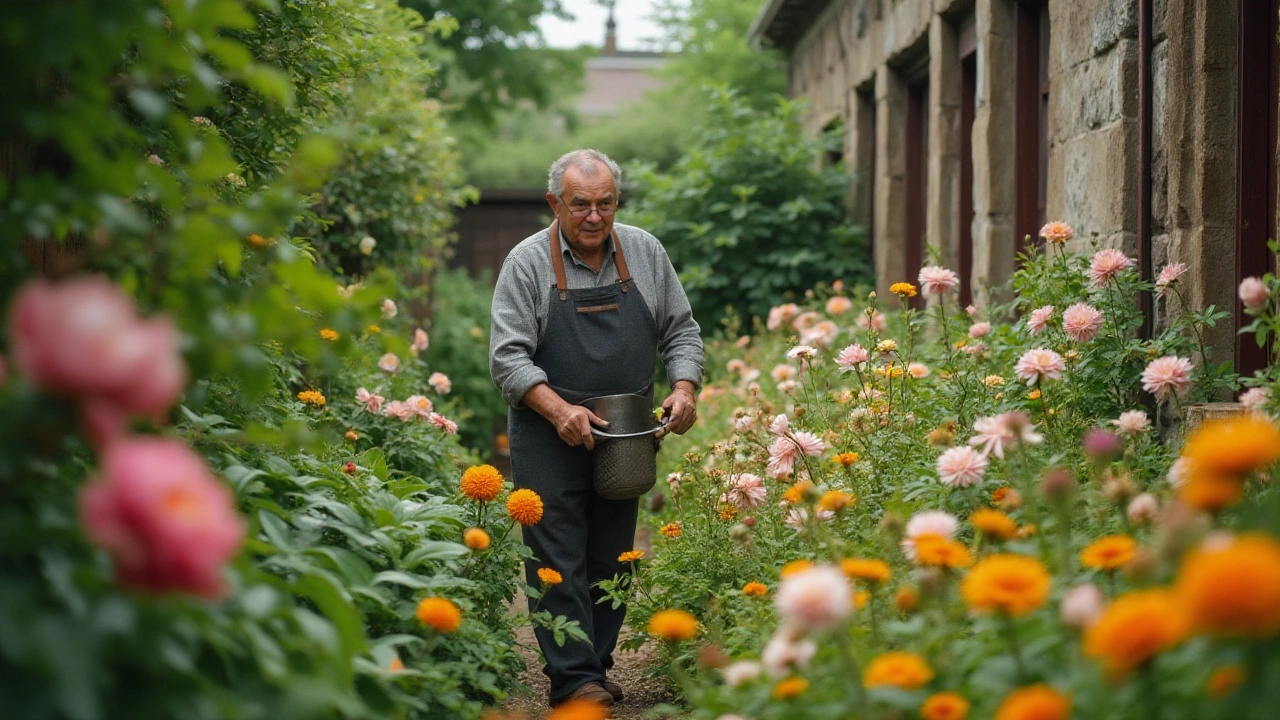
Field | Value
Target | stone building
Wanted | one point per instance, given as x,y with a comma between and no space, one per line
1149,125
617,77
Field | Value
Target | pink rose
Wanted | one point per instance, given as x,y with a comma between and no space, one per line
167,521
420,341
440,383
1253,293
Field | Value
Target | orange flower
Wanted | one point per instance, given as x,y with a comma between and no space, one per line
630,556
1223,681
1135,628
352,435
906,599
525,507
330,335
1233,589
312,397
755,589
846,459
727,512
1109,553
579,710
481,483
903,289
932,549
476,539
944,706
671,530
440,614
1221,454
875,571
1037,702
835,501
994,524
396,664
796,493
861,598
673,625
904,670
789,688
549,577
794,566
1012,584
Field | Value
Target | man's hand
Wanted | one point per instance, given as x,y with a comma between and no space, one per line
573,423
681,408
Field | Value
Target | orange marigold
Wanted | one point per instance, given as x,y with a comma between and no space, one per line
1012,584
312,397
789,688
861,598
671,530
396,664
549,577
906,599
755,589
935,550
846,458
481,482
525,507
727,512
994,524
1233,589
876,571
945,706
1109,553
579,710
1224,680
352,435
835,501
1135,628
630,556
904,670
476,539
903,289
794,566
673,625
796,493
1036,702
330,335
439,613
1221,454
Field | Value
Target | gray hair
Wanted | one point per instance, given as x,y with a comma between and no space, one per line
587,161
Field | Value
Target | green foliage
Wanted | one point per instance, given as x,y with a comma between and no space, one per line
748,216
710,38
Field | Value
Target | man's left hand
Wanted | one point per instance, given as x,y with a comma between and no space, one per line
681,408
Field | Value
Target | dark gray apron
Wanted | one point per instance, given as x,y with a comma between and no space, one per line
597,341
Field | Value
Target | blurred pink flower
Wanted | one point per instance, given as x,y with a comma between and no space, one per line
1106,264
979,329
788,387
814,599
389,309
1039,319
389,363
822,334
806,320
399,410
1165,376
1081,322
673,481
936,280
420,341
1057,232
1253,293
782,372
779,425
839,305
803,352
852,356
739,672
372,403
420,406
450,427
1252,399
1132,422
877,321
440,383
746,491
961,467
993,434
736,365
797,517
781,315
970,310
1143,509
744,424
743,342
1081,605
1169,275
786,651
932,522
809,443
1039,364
1102,444
918,370
169,524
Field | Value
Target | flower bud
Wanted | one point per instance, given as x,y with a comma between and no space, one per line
349,468
906,599
1057,483
740,533
1143,509
1143,565
1102,444
1117,488
749,521
712,657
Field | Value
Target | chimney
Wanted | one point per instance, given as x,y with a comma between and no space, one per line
610,35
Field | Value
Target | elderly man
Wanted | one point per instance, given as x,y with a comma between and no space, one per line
580,310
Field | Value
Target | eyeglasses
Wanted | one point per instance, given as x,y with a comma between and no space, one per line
580,210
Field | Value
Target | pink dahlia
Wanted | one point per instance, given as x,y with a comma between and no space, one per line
1169,375
979,329
399,410
1255,398
389,363
809,443
1057,232
781,315
1039,364
782,457
961,467
448,426
1081,605
802,352
1081,322
420,406
746,491
839,305
420,341
994,434
1253,293
1169,275
822,334
1132,422
440,383
1106,264
744,424
782,372
372,403
389,308
918,370
852,356
786,651
779,425
814,599
1039,319
806,320
936,280
932,522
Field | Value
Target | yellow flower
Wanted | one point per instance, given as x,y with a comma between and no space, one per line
1011,584
846,459
938,551
352,435
1233,589
476,539
835,501
903,670
1135,628
860,599
525,507
481,483
796,493
944,706
875,571
417,197
578,710
673,625
755,589
671,530
1222,454
312,397
1035,394
440,614
372,329
1109,553
630,556
886,346
993,381
903,289
994,524
727,512
549,577
1037,702
1223,681
789,688
794,566
330,335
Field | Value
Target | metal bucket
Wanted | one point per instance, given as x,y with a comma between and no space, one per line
625,457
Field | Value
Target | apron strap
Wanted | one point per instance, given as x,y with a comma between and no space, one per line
557,261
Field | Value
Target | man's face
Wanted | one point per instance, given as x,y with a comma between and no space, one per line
586,235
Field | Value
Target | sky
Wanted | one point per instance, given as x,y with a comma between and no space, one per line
634,25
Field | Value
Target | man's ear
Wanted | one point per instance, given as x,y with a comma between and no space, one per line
551,201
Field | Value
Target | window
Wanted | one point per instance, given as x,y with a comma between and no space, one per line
917,178
1031,139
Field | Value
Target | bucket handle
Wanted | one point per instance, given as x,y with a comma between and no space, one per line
621,436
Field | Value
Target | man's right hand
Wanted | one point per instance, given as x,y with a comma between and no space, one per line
573,423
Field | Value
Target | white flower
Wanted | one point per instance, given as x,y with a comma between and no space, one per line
1132,422
367,244
740,672
815,599
389,308
935,522
803,352
784,651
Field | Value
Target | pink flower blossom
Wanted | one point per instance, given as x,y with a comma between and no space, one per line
918,370
779,425
797,517
782,458
822,334
1143,509
1252,399
932,522
936,280
389,308
1177,475
979,329
971,310
877,321
746,491
372,403
1039,319
420,341
1081,322
852,356
1132,422
737,673
1039,364
1106,264
809,443
440,383
743,342
1102,444
814,599
1254,293
1169,275
673,481
781,315
1081,606
802,352
996,433
744,424
961,467
420,406
1169,375
806,320
389,363
786,651
839,305
782,372
450,427
1057,232
169,524
399,410
736,365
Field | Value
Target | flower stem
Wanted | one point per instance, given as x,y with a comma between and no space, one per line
854,692
1011,634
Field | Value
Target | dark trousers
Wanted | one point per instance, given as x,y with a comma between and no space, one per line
580,536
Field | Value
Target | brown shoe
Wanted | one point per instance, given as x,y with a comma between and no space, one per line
614,689
591,692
